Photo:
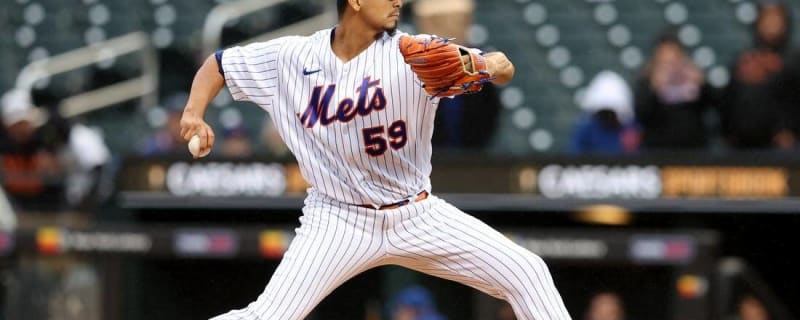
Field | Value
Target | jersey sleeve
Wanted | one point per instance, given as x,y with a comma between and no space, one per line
251,72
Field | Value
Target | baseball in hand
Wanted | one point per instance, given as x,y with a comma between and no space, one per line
194,147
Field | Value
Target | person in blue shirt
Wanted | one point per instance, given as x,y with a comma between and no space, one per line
607,125
415,303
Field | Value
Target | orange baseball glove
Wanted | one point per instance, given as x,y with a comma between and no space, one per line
445,69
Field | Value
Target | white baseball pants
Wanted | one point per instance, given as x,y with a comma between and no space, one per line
337,241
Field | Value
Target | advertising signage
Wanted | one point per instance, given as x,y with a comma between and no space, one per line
640,180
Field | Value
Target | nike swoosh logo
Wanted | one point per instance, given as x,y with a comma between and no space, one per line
306,72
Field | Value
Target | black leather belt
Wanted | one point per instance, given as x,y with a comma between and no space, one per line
420,196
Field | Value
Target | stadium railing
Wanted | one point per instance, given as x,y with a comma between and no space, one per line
144,86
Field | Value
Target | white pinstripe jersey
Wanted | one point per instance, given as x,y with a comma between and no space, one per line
360,130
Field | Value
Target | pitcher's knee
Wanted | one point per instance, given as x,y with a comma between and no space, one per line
536,263
536,274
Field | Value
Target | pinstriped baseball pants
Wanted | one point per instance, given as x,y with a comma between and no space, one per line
336,241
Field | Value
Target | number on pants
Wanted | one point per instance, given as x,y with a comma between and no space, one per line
375,144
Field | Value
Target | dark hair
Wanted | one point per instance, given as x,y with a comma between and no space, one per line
668,37
341,5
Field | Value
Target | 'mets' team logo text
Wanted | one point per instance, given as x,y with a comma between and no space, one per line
318,109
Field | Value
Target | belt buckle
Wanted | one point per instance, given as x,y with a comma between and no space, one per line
395,205
400,203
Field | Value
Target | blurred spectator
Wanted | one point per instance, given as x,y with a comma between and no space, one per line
466,121
445,18
671,99
414,303
753,114
236,143
167,140
31,171
751,308
607,125
46,162
87,156
605,306
271,140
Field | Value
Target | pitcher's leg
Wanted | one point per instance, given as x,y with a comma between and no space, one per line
330,247
448,243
